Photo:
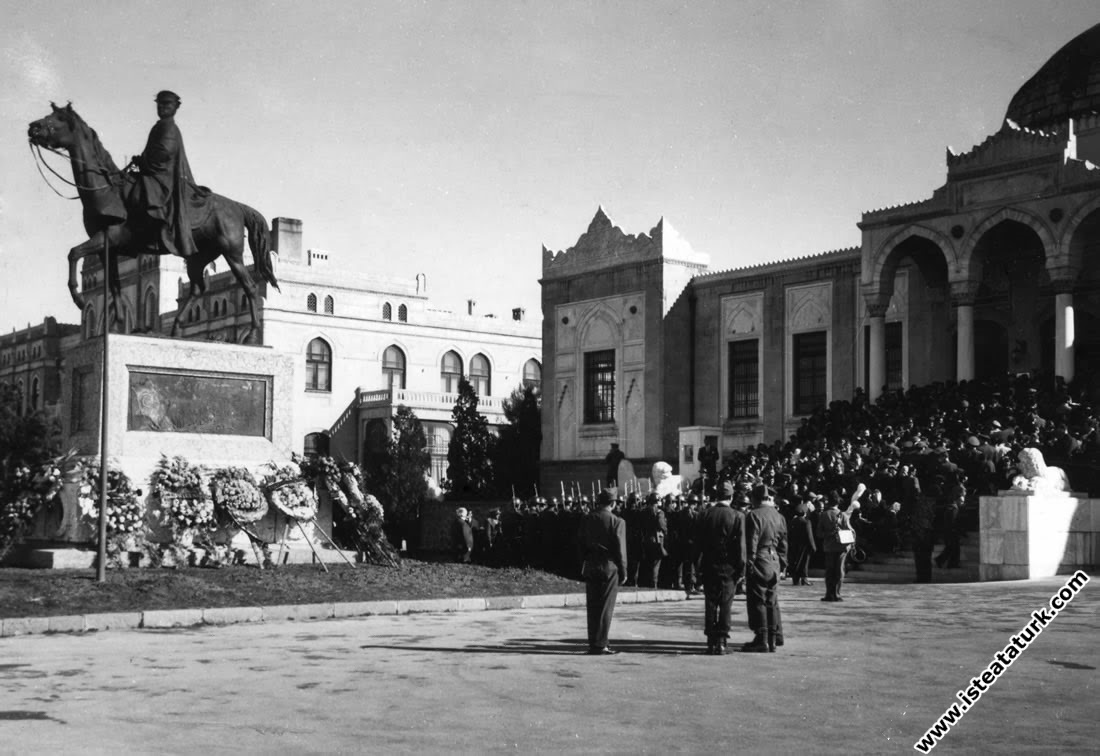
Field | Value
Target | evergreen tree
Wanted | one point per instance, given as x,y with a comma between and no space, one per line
516,462
396,475
469,456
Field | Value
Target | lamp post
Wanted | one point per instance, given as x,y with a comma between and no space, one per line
101,562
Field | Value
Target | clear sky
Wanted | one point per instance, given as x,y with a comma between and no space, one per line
456,139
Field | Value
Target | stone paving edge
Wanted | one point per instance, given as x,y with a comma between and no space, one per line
174,618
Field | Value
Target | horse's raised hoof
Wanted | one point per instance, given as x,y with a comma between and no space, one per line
250,338
78,300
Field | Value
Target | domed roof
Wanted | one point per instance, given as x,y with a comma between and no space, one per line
1067,85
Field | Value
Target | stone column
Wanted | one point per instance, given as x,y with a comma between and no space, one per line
1063,335
962,296
876,357
1063,277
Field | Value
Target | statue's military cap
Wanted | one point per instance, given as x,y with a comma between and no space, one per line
167,95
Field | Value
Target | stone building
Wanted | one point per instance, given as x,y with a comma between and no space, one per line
29,361
997,271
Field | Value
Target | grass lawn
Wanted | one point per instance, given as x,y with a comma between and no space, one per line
42,593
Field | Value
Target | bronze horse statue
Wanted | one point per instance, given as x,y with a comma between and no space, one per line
104,190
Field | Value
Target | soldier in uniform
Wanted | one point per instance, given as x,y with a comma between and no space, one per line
602,540
766,558
721,541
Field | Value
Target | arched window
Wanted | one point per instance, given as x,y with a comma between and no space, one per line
532,374
393,368
479,374
89,322
311,302
330,305
450,372
319,366
34,393
151,317
244,301
19,397
403,314
217,308
387,311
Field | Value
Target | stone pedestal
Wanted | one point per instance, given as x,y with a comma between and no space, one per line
217,404
1025,536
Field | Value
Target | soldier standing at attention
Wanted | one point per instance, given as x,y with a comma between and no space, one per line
766,555
602,540
721,541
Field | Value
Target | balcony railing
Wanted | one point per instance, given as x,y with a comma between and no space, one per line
435,400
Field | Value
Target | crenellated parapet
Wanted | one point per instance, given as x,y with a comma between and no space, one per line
936,203
606,245
1011,145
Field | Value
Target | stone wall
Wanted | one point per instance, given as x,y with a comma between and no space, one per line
1033,536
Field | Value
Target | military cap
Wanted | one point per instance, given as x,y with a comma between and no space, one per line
166,95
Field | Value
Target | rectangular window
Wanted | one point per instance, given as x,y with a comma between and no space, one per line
810,371
744,378
83,403
599,386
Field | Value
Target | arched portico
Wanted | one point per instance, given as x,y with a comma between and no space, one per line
932,255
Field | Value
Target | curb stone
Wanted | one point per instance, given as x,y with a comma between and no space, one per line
233,615
166,618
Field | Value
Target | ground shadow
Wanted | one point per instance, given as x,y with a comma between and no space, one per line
559,647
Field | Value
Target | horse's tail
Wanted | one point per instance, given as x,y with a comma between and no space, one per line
259,241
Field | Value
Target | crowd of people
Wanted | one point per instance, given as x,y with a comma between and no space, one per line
906,470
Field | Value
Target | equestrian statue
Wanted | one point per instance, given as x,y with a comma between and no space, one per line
154,207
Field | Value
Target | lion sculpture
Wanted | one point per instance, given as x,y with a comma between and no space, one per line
1036,476
664,482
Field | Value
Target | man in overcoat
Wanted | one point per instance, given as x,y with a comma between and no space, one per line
720,538
602,540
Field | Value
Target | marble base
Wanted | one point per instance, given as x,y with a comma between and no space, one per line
1026,536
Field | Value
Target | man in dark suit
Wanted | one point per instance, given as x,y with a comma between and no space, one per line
602,540
462,536
766,558
721,543
654,530
802,543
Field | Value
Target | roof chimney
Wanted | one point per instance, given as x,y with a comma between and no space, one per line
471,306
518,313
287,238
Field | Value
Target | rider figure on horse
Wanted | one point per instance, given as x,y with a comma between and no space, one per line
164,187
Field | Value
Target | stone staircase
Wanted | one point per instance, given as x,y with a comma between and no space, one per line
881,568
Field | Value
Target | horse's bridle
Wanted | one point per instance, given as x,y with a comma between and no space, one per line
39,161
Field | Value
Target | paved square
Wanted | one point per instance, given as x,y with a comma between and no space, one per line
868,675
